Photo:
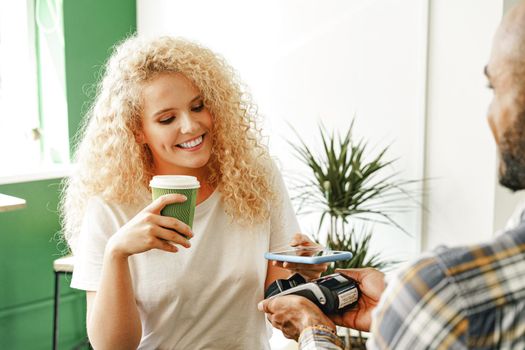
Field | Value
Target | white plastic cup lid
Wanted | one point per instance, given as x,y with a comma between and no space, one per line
174,182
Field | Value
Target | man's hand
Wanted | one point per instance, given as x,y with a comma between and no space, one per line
371,286
292,313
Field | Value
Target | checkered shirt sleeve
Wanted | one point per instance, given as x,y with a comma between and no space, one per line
316,338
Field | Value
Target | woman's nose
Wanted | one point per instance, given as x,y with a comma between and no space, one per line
187,124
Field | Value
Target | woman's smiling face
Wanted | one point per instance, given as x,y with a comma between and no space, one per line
176,125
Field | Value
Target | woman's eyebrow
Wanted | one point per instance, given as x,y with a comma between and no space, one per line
162,111
170,108
196,98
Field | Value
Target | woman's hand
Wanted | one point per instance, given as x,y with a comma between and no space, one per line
149,230
308,271
113,319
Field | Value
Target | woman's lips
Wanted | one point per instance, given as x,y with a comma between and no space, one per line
194,144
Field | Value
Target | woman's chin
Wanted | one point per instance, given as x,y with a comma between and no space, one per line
197,165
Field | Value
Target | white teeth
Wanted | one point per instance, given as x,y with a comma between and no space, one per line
192,143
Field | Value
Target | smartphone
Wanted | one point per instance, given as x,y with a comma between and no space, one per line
308,255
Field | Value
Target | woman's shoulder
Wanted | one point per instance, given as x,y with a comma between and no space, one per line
274,169
100,206
271,166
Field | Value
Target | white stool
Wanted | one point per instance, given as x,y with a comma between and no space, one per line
64,264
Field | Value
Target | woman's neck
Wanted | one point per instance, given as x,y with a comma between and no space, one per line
205,191
202,175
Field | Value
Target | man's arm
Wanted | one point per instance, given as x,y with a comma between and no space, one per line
421,309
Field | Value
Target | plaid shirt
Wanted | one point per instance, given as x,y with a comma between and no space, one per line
314,338
460,298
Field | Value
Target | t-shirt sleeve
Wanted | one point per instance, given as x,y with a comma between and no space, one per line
100,222
283,221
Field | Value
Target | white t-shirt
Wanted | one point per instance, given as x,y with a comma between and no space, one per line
204,297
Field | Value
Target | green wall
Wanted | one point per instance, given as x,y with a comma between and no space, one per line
27,236
91,29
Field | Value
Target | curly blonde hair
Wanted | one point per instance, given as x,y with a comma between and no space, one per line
112,164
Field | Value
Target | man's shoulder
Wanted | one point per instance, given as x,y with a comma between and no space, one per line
481,277
465,261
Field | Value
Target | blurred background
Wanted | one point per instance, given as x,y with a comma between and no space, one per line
408,72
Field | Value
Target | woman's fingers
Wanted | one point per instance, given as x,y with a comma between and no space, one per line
172,236
301,267
300,239
166,246
310,271
173,224
308,274
311,267
277,263
158,204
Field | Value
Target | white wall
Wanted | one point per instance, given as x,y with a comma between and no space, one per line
465,202
311,61
308,61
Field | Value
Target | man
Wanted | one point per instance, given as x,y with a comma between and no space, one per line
459,298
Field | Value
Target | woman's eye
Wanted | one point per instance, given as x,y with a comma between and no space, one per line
198,108
167,120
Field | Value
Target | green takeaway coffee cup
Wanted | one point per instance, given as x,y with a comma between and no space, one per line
186,185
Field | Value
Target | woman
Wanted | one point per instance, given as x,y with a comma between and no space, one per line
169,106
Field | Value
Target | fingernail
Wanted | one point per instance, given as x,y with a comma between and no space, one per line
260,306
184,197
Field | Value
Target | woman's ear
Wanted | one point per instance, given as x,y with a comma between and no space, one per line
139,136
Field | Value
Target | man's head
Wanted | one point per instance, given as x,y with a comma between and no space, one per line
506,116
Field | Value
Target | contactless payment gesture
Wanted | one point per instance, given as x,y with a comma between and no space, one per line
308,255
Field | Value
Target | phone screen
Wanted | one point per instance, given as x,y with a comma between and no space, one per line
306,252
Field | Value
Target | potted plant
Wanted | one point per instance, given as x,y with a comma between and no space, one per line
346,185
